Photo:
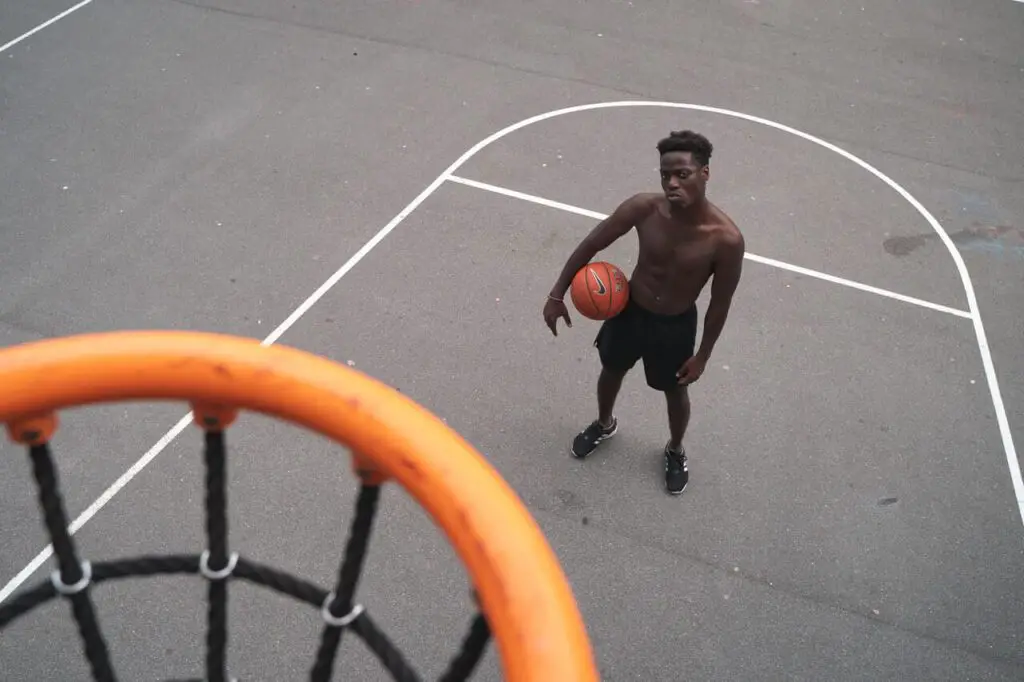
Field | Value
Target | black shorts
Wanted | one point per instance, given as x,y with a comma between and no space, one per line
664,342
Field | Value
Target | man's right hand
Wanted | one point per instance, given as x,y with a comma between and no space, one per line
553,310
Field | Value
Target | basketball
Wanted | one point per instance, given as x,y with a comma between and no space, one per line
599,291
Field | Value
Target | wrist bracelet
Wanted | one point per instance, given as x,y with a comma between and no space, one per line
555,299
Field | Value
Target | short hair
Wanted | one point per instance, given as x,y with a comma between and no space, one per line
687,141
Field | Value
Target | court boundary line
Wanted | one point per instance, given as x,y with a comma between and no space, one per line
40,27
312,299
771,262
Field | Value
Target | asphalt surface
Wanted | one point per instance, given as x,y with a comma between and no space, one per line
850,514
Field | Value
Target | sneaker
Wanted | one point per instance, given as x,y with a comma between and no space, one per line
676,473
589,438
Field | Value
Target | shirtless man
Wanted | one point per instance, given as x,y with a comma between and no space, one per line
685,240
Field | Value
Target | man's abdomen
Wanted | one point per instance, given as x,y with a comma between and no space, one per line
673,296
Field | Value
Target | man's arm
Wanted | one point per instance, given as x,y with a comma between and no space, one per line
604,234
728,267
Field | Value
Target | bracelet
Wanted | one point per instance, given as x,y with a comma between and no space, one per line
555,299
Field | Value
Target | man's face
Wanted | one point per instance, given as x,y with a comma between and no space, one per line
682,178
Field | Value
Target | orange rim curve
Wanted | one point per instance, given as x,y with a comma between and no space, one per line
526,597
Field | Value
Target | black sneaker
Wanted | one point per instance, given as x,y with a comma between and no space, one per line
676,473
589,438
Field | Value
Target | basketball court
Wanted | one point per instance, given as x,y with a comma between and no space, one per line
853,509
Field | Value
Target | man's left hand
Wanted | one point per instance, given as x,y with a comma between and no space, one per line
691,370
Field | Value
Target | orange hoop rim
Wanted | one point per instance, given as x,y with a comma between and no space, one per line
526,597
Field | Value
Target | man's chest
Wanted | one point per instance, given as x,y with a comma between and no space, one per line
666,249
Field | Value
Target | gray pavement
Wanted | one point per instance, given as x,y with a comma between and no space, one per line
850,515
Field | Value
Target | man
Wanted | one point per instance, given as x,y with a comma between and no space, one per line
684,240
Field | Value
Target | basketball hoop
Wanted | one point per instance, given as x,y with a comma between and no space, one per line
523,596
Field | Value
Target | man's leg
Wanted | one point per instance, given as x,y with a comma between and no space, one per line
677,474
606,425
618,347
678,400
608,385
671,344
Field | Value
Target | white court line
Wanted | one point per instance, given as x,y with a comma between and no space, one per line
40,27
1013,464
169,437
450,171
98,504
757,259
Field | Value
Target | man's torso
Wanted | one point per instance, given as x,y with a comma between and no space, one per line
676,260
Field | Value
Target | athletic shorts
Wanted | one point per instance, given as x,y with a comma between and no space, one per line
664,342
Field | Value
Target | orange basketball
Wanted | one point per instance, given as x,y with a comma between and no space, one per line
599,291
